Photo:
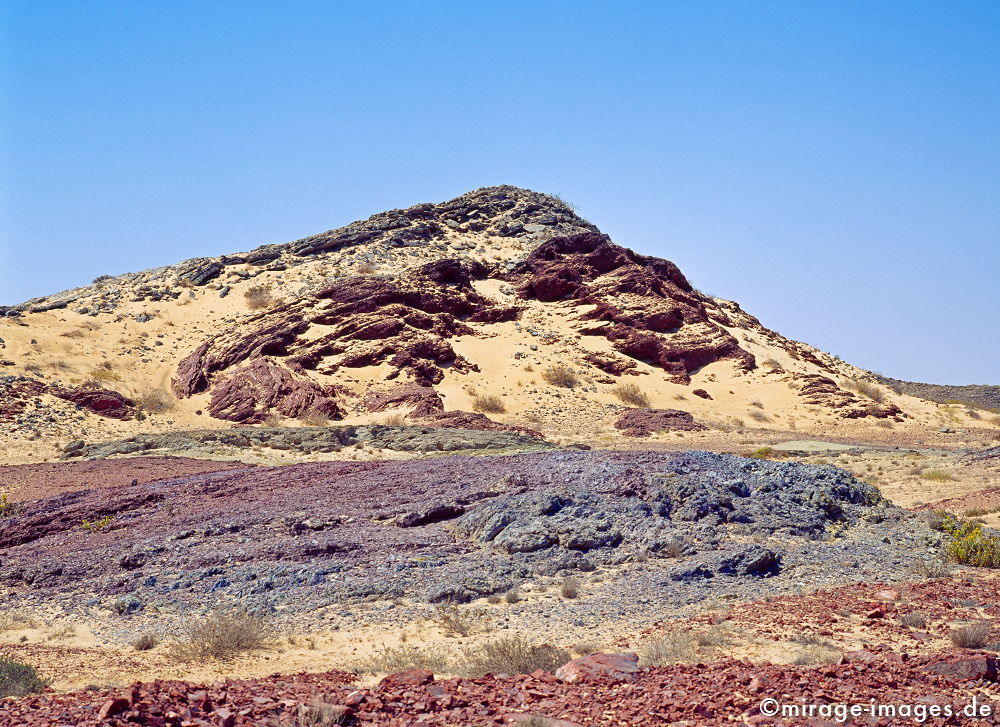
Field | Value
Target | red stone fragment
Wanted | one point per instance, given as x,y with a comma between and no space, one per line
617,667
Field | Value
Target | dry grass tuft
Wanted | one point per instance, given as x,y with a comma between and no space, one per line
631,394
561,375
974,636
259,297
489,404
154,401
221,635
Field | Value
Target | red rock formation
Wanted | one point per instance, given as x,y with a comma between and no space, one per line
822,391
423,400
644,305
99,401
605,667
251,392
406,322
643,422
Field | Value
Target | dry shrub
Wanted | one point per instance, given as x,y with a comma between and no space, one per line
672,648
570,587
509,655
456,621
313,418
488,403
937,475
814,651
18,679
974,636
320,713
759,416
145,642
631,394
221,635
394,420
366,268
404,657
914,620
867,388
513,595
75,333
561,375
259,297
104,371
154,401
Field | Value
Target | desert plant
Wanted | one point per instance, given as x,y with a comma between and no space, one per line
18,678
314,418
395,659
914,620
762,453
969,545
154,401
96,526
104,371
145,642
759,416
931,569
868,389
936,475
513,595
631,394
221,635
456,621
974,636
570,587
488,403
561,375
672,648
319,713
258,297
9,508
101,280
509,655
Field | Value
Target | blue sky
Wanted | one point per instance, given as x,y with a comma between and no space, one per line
832,166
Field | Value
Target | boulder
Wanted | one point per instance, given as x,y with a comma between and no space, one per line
613,667
643,422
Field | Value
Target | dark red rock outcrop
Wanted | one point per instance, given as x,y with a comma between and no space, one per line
643,422
405,322
643,305
614,365
823,391
99,401
251,392
16,391
423,400
605,667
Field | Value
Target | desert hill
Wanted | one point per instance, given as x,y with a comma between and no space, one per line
500,309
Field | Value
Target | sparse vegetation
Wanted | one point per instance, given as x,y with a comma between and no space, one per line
570,587
154,401
814,650
456,621
18,678
974,636
914,620
96,526
313,418
259,297
759,416
395,659
762,453
561,375
100,280
509,655
675,647
631,394
104,371
936,475
366,268
9,508
488,403
145,642
968,544
221,635
321,714
867,389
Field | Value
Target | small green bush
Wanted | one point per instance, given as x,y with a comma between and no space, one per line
18,679
561,375
969,545
937,476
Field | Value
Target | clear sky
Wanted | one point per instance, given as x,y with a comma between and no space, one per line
833,166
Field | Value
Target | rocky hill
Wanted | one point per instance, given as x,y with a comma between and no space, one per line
499,309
